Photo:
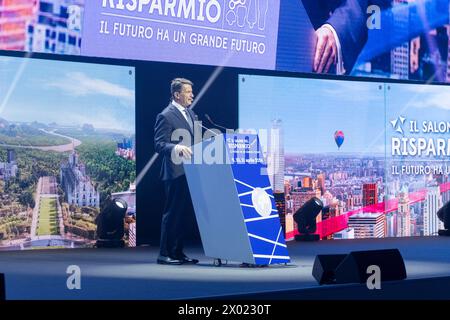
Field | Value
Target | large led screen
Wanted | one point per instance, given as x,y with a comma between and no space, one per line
376,154
401,39
67,144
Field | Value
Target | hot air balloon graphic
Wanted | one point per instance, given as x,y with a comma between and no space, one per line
339,138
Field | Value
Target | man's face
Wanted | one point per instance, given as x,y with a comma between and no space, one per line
185,96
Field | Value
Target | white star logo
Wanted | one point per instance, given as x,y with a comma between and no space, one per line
397,124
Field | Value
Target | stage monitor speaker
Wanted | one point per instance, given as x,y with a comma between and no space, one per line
2,287
325,266
353,269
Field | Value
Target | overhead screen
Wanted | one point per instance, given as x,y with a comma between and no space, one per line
67,143
385,39
376,153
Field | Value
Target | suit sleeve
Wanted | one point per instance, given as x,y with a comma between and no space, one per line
163,132
349,21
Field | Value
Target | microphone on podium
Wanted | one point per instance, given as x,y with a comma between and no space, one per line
215,124
201,125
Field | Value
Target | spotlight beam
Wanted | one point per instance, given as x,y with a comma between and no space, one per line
16,79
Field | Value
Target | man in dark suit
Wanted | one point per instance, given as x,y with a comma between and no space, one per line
176,116
341,32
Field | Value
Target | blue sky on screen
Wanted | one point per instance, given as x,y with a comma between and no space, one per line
67,93
419,102
313,110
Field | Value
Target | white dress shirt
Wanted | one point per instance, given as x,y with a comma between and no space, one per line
179,147
183,111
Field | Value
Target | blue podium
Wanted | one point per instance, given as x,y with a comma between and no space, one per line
233,201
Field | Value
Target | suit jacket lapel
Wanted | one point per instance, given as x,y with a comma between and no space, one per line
180,117
192,114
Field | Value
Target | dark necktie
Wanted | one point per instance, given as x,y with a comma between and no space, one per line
189,119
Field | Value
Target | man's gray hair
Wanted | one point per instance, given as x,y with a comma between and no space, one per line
177,85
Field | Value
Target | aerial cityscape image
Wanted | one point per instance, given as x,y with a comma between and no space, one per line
67,143
364,148
46,26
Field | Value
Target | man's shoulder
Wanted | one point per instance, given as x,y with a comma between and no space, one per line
167,110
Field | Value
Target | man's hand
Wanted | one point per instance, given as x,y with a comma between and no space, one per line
326,50
183,151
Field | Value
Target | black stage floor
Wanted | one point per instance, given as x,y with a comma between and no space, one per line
132,273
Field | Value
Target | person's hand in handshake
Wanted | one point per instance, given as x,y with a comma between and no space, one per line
326,50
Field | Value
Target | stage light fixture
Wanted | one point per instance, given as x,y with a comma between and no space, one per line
110,224
444,215
305,217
